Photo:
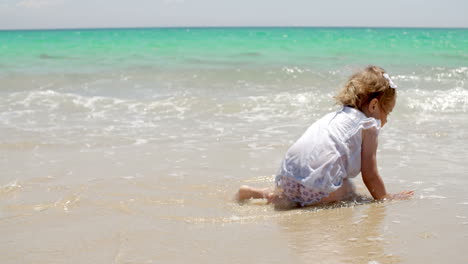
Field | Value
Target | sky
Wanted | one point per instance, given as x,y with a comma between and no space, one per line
53,14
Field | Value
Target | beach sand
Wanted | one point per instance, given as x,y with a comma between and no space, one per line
117,208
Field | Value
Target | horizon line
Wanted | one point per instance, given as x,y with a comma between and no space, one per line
222,27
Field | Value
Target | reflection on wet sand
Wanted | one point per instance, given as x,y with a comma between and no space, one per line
350,234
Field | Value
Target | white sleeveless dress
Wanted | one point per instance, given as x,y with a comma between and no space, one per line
328,152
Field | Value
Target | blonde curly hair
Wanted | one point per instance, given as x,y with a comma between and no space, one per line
364,86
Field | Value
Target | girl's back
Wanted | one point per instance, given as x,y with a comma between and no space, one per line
329,150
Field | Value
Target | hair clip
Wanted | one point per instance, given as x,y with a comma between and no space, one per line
392,84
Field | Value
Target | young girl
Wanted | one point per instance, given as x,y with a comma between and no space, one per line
317,169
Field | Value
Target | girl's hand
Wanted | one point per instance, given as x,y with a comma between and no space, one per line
400,196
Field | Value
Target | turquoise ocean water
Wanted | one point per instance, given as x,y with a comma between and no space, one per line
153,130
212,48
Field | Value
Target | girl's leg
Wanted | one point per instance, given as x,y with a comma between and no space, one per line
281,202
346,191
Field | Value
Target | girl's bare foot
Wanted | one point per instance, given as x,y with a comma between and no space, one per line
243,193
246,192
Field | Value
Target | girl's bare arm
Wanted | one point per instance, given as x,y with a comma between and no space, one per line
369,171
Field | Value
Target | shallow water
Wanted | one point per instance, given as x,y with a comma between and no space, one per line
138,162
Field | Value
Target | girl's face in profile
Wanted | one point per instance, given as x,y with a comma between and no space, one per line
380,111
383,111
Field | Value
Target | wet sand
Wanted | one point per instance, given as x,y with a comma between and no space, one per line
92,207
